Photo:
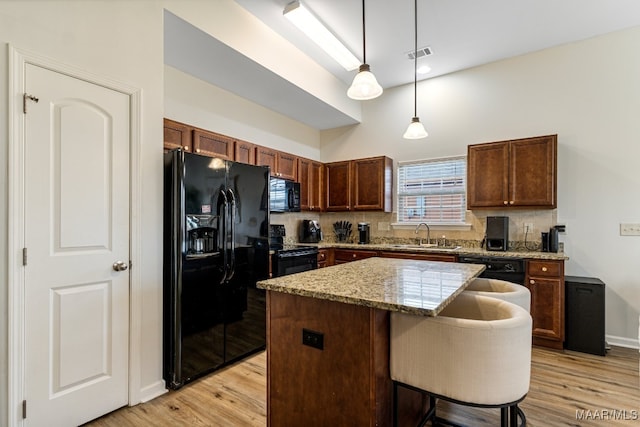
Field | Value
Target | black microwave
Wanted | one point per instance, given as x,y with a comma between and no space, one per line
284,195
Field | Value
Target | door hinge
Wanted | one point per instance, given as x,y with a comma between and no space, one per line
24,256
24,409
26,97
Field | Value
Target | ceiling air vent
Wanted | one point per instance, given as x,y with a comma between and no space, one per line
423,51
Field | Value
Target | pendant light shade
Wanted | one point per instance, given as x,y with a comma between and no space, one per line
364,86
415,130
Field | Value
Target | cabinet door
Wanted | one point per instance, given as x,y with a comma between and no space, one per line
338,186
532,180
287,165
546,307
304,166
488,175
212,144
177,135
310,179
372,182
267,157
316,185
545,281
245,152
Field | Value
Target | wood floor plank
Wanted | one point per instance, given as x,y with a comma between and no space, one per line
567,389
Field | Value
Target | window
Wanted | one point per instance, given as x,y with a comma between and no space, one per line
432,191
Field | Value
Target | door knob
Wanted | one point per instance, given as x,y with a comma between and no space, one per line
120,266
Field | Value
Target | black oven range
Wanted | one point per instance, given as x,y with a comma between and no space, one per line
289,259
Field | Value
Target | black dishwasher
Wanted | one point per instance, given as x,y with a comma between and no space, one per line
502,268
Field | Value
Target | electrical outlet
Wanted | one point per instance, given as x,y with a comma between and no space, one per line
630,229
528,227
313,339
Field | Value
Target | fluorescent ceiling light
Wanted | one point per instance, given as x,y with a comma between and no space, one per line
302,18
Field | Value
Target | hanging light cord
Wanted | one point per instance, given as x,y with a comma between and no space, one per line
364,45
415,59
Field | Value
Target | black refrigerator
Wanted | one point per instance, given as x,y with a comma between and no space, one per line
216,222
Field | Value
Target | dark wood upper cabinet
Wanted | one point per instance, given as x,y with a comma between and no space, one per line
372,179
310,177
212,144
361,184
245,152
338,186
283,165
517,173
177,135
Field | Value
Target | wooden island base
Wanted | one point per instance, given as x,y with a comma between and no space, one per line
347,381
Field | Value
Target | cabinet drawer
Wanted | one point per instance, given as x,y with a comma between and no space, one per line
423,257
545,268
347,255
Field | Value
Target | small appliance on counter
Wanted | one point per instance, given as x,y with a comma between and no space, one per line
310,231
497,233
550,239
363,233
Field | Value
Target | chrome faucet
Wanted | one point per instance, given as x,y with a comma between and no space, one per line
428,231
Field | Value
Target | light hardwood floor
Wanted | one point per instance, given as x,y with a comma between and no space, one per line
567,389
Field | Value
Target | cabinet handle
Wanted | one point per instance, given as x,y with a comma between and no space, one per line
186,148
354,255
505,202
544,268
532,282
511,202
197,150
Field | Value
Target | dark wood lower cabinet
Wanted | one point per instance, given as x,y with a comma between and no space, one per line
346,382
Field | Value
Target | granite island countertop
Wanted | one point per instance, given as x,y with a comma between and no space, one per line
409,286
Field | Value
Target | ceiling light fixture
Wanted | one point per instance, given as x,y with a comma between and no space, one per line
306,22
415,130
364,86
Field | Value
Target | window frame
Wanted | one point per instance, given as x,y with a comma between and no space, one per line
400,214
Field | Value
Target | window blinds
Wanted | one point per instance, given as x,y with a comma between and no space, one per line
433,191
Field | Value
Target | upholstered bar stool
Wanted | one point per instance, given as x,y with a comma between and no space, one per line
476,352
501,289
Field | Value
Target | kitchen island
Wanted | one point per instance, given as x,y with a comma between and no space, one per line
328,338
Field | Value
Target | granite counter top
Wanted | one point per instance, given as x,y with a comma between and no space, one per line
409,286
560,256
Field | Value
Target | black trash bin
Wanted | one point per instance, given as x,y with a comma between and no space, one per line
584,310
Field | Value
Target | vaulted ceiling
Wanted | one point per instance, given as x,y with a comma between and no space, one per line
461,34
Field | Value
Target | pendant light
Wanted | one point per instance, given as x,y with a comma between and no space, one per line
364,86
415,130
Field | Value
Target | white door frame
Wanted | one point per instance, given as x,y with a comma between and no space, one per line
18,59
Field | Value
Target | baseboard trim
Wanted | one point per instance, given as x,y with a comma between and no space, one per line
152,391
622,341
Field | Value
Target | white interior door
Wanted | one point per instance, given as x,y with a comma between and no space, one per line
76,227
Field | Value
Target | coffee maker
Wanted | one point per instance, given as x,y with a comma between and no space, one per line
310,231
363,233
497,233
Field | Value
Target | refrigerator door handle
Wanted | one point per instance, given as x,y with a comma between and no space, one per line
221,211
232,217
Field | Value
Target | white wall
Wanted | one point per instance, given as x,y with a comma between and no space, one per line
589,94
195,102
123,41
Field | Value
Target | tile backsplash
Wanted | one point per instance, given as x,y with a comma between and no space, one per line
382,230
